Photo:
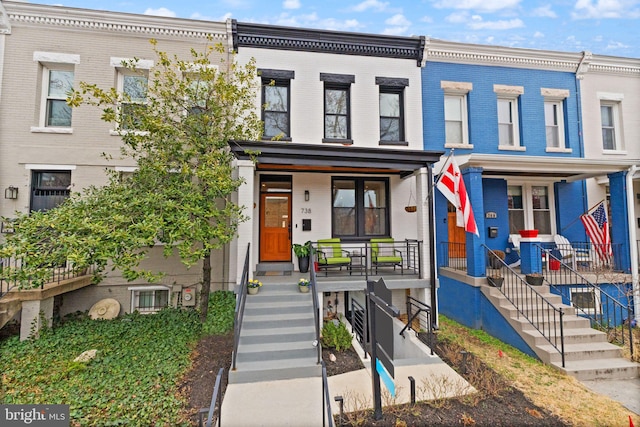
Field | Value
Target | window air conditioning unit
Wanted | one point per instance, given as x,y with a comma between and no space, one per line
189,297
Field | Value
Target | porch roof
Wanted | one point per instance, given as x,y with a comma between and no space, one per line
294,157
561,168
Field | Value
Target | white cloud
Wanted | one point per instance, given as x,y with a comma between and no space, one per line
538,35
457,18
161,11
616,45
480,5
376,5
291,4
398,19
478,24
398,25
544,12
311,21
598,9
427,19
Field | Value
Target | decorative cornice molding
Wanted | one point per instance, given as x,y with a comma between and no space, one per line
324,41
5,25
95,20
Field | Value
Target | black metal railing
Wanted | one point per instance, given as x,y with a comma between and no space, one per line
453,255
239,311
590,257
358,322
216,400
354,259
529,303
316,312
12,275
421,312
327,417
606,312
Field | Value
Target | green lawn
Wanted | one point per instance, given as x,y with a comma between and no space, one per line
133,379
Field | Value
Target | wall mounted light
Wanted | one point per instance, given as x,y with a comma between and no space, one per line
306,195
11,192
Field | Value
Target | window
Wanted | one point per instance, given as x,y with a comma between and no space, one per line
276,98
132,85
610,116
57,75
337,108
49,188
508,119
134,90
149,299
554,103
529,208
359,207
391,104
587,300
456,127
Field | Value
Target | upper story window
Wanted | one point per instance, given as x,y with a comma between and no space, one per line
508,116
276,98
456,121
554,101
57,71
610,117
133,86
337,107
391,103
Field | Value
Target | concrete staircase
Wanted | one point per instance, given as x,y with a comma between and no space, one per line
277,336
588,355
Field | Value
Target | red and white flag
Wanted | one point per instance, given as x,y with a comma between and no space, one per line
452,186
596,224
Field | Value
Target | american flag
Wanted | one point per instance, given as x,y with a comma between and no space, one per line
452,186
597,227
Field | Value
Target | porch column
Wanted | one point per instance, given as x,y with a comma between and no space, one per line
476,254
619,221
530,259
423,212
33,316
246,171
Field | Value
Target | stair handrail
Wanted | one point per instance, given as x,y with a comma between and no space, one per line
215,397
239,311
518,292
316,304
326,398
421,308
567,277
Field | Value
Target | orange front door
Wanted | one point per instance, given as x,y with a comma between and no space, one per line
275,227
457,237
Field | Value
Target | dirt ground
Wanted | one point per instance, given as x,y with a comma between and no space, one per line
496,403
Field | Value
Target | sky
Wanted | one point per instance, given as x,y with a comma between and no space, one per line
605,27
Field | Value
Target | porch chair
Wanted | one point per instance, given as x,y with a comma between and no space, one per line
331,254
568,252
383,253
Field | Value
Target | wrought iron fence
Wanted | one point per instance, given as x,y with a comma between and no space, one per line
589,257
216,399
239,311
421,312
453,255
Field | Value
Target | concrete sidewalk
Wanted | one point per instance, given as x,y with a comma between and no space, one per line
626,391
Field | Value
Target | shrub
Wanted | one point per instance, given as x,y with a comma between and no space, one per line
220,317
336,335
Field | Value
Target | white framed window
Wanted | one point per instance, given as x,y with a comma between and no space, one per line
149,299
586,300
456,116
530,207
554,110
611,121
508,116
57,77
133,86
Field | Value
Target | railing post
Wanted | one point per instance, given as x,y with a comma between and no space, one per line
412,385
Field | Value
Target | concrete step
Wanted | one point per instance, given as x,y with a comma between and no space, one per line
284,330
573,336
600,369
267,325
583,351
283,353
248,372
569,322
278,338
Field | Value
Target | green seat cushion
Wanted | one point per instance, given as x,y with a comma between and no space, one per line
388,260
333,244
334,260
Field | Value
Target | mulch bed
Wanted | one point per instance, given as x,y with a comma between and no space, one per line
496,403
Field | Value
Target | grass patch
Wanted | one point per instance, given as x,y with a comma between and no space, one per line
133,378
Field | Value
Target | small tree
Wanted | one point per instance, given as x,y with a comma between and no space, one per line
181,192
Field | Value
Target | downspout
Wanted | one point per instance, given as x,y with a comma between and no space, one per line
432,251
582,68
633,245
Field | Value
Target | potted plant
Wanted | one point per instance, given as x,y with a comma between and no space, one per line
253,286
495,258
304,285
302,252
534,279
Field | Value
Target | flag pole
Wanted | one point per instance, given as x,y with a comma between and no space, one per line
433,184
575,220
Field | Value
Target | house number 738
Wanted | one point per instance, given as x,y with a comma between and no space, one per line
305,210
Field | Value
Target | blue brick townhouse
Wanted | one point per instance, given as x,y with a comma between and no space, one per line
511,118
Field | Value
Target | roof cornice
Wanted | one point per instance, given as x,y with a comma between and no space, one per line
325,41
20,13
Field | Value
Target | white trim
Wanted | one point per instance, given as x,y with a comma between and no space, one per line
554,93
615,152
61,130
44,166
527,204
142,64
463,146
558,150
511,148
56,57
453,87
116,132
610,96
508,90
149,288
126,168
